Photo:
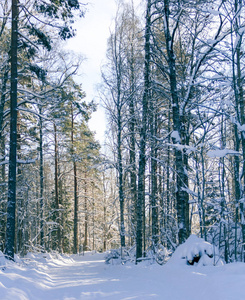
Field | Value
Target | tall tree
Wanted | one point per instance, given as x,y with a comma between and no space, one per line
143,132
10,231
114,79
48,9
182,64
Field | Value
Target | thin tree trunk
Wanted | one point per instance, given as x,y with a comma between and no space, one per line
132,139
10,229
132,157
2,104
104,214
93,218
61,214
2,159
85,244
120,174
41,178
236,185
153,174
222,193
143,131
242,112
56,184
75,221
75,242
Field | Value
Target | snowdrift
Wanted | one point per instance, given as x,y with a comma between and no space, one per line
196,251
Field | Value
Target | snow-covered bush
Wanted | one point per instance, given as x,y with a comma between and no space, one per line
121,255
124,255
195,251
112,255
158,254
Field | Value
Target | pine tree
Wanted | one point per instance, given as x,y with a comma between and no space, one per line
51,10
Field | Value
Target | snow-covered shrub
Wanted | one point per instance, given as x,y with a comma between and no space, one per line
121,255
124,255
159,254
112,255
195,251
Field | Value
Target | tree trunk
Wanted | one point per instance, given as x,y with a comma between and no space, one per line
104,213
132,157
10,229
240,80
237,185
120,175
132,138
223,215
93,214
41,178
240,114
85,244
153,174
2,159
143,131
75,221
182,197
56,184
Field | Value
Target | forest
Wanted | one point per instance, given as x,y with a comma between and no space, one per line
173,163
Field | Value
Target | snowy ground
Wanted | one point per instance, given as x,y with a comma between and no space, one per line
88,277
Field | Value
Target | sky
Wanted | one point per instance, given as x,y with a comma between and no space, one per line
91,42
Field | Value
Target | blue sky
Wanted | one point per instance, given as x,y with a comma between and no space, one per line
91,41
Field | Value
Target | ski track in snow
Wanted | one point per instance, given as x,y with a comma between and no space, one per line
88,277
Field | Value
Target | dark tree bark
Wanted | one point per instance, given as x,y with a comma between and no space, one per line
10,229
238,80
56,189
41,178
120,175
132,162
237,187
143,132
182,197
85,244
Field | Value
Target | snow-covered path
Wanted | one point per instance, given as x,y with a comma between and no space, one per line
87,277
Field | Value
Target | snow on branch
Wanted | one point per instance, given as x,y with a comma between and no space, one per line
19,161
25,162
222,153
175,136
190,192
182,147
